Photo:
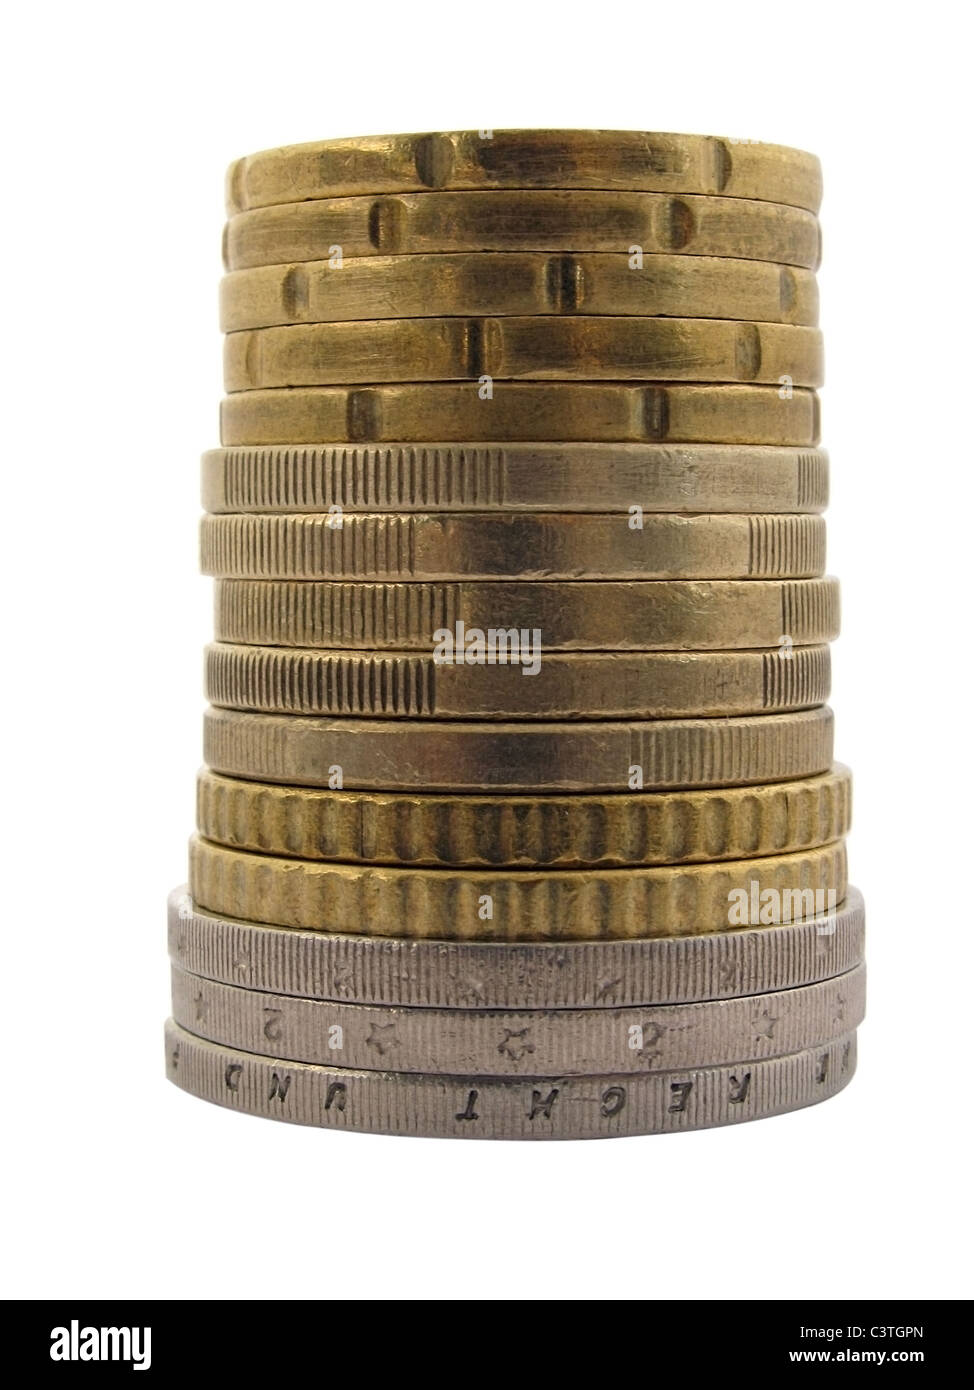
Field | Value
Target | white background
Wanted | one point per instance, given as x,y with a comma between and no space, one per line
118,124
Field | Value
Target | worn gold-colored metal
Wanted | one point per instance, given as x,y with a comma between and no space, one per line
472,756
523,410
515,477
516,682
493,159
592,615
629,224
517,282
521,905
536,348
527,831
517,755
536,545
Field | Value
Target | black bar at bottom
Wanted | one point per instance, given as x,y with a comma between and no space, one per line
170,1340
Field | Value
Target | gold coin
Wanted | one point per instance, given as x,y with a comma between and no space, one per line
678,615
515,477
516,282
468,756
566,348
534,545
516,683
522,905
523,410
609,831
491,159
634,225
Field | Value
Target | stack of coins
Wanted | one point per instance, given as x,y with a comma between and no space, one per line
520,818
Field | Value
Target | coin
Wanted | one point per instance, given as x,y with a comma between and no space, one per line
515,975
523,410
634,225
544,405
578,831
515,477
516,282
492,159
643,685
384,755
565,348
549,545
595,1107
553,1042
521,904
601,615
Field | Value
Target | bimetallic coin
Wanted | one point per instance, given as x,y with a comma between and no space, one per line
517,282
493,159
461,756
519,905
635,225
615,830
523,410
549,545
553,1042
538,348
416,973
515,477
517,681
593,1107
596,615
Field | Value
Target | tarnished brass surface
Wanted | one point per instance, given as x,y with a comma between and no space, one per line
517,282
520,905
581,831
590,615
524,684
539,545
470,756
523,410
627,224
515,477
536,348
493,159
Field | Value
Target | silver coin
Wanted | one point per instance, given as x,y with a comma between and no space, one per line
553,1042
431,974
587,1107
